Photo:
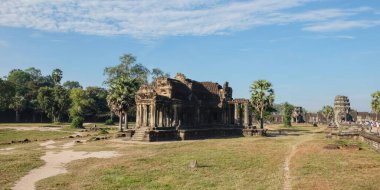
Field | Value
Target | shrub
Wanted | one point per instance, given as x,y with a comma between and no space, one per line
77,122
103,131
109,122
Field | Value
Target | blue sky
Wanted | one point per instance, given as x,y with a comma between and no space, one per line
311,50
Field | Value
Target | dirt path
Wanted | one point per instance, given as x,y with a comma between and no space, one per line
55,164
293,151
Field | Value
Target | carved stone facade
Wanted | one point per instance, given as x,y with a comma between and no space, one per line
180,104
342,108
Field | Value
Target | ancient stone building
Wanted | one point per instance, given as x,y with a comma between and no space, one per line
298,115
182,108
342,108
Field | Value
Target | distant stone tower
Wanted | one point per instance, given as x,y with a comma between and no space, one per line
342,109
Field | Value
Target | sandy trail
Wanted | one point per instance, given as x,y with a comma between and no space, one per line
293,151
55,164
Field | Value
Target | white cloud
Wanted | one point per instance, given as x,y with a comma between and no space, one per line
154,18
341,25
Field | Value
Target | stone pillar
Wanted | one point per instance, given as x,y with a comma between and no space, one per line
145,117
236,114
246,115
160,117
137,115
175,117
152,115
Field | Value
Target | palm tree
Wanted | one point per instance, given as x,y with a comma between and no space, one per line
262,98
121,96
328,113
57,76
375,103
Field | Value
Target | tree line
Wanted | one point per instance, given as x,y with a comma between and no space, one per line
31,97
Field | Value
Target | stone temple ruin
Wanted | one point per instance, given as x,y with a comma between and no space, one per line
298,115
342,110
181,109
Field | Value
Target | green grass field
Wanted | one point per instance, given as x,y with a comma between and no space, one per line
236,163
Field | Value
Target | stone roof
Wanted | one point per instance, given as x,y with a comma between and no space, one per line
212,87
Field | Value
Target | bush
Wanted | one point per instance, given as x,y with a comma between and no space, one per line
109,122
103,131
77,122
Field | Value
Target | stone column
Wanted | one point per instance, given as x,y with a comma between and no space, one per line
152,115
236,114
160,124
145,117
246,116
175,117
137,115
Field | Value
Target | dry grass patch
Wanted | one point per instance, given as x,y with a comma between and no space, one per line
315,167
18,162
8,135
242,163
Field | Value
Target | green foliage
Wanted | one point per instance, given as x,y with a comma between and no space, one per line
77,122
100,96
109,122
81,103
156,73
375,103
56,76
69,85
328,112
103,131
54,101
262,97
287,114
128,69
122,94
7,92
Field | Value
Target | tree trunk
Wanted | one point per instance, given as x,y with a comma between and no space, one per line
261,120
126,120
34,117
121,122
17,116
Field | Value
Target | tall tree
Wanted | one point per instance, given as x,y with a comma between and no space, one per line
100,97
328,113
127,70
18,104
81,104
375,103
287,112
7,92
54,101
121,96
69,85
262,97
56,76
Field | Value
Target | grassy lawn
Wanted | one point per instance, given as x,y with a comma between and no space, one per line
242,163
318,168
7,135
236,163
18,163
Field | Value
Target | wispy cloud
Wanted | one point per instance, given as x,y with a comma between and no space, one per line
154,18
341,25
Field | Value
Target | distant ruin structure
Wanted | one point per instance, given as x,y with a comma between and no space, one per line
342,108
298,115
181,108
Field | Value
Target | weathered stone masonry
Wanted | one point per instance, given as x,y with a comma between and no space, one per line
182,108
